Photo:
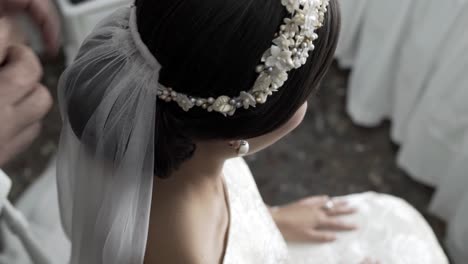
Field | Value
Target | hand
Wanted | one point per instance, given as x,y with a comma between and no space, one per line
42,13
23,100
307,221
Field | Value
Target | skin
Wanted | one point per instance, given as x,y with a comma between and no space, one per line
24,101
43,15
192,207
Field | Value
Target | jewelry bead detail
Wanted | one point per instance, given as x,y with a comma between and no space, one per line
290,50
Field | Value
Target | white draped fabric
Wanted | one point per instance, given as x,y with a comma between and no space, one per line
39,204
390,229
409,64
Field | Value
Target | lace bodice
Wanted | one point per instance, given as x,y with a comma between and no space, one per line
253,236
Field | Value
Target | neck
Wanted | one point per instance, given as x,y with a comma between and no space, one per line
206,164
204,168
193,199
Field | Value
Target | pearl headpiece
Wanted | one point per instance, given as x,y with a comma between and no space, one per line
290,50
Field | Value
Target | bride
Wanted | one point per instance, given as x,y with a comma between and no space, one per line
160,103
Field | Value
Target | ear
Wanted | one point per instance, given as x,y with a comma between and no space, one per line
234,144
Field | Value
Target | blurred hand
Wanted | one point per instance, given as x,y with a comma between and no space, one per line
42,13
307,221
23,100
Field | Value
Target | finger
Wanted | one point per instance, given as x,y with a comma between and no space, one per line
33,107
43,15
316,200
341,208
340,211
47,20
19,75
340,202
19,143
50,34
5,33
321,236
336,225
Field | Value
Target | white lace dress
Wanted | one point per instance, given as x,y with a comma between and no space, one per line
391,230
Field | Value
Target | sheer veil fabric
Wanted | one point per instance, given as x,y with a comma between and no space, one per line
105,169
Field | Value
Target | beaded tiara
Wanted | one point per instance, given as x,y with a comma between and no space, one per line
289,50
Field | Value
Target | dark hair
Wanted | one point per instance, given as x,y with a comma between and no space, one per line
209,48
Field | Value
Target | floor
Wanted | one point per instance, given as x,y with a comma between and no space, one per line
326,155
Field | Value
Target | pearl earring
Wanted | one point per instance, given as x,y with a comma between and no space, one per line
243,148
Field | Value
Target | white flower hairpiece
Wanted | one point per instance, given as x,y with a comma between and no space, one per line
290,50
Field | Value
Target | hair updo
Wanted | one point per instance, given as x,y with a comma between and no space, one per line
209,48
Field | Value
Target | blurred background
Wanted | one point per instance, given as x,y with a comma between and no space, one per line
391,115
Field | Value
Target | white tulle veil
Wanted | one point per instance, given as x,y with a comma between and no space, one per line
105,175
